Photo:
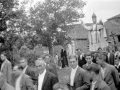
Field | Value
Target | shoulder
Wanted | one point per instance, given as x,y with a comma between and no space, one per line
50,74
9,87
81,71
25,76
110,66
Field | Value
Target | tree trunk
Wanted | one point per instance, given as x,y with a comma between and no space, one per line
51,50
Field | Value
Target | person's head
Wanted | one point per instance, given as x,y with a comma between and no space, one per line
117,60
89,58
17,69
73,61
47,58
3,56
94,70
100,50
40,65
101,58
2,80
79,51
60,86
23,62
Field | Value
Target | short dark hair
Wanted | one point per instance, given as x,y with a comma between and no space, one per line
89,54
101,56
20,68
23,58
99,48
95,68
72,56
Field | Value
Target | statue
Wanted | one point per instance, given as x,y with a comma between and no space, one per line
96,34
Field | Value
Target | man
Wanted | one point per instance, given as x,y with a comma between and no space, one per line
45,80
50,66
108,72
97,82
117,53
26,69
20,80
78,77
110,56
3,84
81,58
6,68
117,64
89,61
88,58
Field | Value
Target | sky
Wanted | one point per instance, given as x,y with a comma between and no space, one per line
103,9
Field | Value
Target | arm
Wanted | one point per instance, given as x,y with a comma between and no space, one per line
115,76
54,80
87,27
9,72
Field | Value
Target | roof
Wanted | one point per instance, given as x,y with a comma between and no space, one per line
112,26
78,32
114,17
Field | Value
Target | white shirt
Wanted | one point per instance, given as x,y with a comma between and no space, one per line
2,65
72,76
17,84
40,80
103,72
24,70
108,55
93,85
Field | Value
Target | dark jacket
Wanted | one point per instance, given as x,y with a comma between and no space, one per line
49,81
81,80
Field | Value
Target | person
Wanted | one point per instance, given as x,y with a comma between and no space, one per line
108,72
26,68
3,84
65,58
100,50
81,58
62,58
88,58
117,64
78,76
117,53
20,80
6,68
97,82
110,56
45,80
49,65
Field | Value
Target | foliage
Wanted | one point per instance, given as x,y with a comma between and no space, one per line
39,24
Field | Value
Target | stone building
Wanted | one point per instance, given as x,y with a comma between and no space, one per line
113,29
80,37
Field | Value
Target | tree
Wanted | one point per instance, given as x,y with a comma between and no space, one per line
39,25
52,14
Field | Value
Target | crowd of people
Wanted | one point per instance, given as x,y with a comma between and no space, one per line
90,71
